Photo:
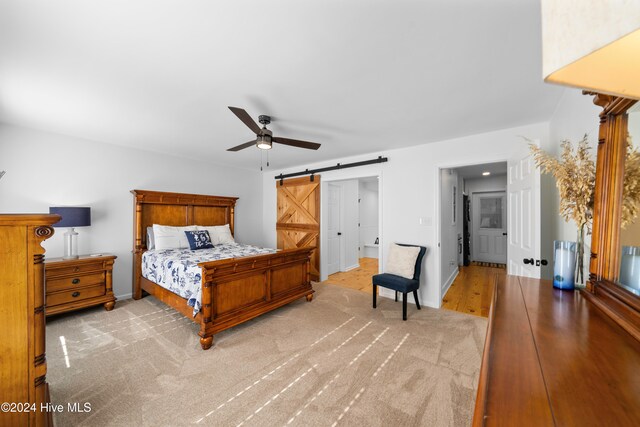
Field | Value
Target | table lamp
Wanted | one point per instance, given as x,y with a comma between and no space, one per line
71,217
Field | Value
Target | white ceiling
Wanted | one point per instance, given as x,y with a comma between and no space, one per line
357,76
476,171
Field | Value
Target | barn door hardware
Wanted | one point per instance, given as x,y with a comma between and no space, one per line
311,172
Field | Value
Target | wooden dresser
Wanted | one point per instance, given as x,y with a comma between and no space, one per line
77,283
551,357
23,366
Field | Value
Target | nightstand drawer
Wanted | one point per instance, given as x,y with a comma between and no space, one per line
53,272
74,281
75,295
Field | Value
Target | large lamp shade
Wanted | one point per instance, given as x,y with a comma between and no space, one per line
72,216
592,44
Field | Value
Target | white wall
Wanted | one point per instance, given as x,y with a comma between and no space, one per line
368,194
410,189
45,169
574,116
448,227
634,127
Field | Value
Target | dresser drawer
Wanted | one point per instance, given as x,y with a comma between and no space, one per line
73,295
57,271
76,283
71,282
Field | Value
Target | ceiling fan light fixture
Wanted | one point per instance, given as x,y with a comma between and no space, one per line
264,142
264,139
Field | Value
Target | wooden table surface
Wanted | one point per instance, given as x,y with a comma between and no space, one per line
555,359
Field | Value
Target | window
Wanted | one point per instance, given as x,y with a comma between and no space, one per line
491,212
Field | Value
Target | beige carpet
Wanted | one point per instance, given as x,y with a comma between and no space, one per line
334,361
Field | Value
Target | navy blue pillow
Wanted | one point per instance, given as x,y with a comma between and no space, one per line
199,239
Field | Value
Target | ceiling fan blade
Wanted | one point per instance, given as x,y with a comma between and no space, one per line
246,119
296,143
243,146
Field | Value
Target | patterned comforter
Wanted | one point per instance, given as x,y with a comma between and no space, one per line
177,269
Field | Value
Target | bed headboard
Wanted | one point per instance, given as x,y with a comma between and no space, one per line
178,209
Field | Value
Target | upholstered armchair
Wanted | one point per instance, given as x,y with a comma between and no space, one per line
401,284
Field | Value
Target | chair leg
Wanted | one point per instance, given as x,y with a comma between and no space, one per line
415,296
404,306
396,296
375,288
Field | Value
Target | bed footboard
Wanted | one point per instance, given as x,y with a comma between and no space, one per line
239,289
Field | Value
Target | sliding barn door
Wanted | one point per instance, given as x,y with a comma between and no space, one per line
298,223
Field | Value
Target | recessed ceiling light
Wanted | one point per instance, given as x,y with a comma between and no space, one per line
486,173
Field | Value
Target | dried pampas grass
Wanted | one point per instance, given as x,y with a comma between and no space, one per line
631,185
575,175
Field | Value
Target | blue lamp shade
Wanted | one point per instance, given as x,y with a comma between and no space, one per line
72,216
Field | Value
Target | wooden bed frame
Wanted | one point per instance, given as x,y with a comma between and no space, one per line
233,290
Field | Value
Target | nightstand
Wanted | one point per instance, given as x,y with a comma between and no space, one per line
81,282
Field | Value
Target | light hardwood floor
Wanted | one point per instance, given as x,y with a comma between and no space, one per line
470,293
472,290
359,278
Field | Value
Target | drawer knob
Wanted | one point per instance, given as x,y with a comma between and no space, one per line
75,281
75,294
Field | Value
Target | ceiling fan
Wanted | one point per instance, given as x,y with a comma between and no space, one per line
264,137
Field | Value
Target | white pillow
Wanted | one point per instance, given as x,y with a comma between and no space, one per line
150,241
167,237
402,260
219,234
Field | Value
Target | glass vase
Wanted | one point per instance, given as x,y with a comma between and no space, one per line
630,267
579,276
564,264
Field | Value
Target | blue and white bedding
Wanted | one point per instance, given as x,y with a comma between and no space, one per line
177,269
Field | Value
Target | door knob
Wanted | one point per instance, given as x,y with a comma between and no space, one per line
504,234
528,261
544,262
339,234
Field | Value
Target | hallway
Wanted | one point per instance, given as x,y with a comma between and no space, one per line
472,290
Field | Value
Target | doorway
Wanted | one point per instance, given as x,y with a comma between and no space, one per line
473,227
351,232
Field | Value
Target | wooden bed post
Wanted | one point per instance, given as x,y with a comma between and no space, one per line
206,337
137,245
307,274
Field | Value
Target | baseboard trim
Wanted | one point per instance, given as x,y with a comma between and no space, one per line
353,267
388,293
124,296
449,281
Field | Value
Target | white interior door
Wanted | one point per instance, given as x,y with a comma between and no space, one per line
523,189
333,228
489,224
